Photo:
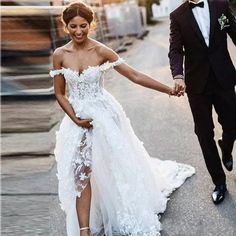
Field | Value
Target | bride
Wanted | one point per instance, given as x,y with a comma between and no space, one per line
108,184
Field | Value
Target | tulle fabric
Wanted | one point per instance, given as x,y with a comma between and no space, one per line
129,188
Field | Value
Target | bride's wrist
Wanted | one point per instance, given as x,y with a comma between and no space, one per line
170,92
77,120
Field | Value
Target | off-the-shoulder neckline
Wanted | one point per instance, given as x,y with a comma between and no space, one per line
84,70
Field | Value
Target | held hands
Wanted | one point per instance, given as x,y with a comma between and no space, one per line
179,88
85,123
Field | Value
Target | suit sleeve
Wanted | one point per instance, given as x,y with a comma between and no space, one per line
231,30
176,53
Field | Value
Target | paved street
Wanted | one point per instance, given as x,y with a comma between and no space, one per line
29,185
166,128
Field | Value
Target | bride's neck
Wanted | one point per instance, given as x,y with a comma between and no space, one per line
83,45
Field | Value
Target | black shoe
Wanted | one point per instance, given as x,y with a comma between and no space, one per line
226,158
218,194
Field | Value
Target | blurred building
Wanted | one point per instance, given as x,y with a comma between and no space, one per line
31,30
165,8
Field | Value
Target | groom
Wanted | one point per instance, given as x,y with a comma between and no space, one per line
198,38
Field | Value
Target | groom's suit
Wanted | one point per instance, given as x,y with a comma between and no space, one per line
209,74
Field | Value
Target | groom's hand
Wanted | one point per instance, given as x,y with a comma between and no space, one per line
179,86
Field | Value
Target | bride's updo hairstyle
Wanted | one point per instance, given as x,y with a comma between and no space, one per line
78,9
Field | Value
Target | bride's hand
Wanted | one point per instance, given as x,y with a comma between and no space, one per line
173,92
85,123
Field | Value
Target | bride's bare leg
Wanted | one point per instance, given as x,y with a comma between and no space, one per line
83,209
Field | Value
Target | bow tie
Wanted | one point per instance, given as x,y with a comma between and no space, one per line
192,5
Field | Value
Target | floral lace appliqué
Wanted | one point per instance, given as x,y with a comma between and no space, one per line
82,163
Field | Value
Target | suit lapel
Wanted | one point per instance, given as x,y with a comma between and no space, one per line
194,24
212,9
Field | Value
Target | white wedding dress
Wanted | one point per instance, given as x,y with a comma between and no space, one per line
129,189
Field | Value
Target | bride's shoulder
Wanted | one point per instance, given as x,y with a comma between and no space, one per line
60,51
98,47
105,52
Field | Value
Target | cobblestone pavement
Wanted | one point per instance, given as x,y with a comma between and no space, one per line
29,185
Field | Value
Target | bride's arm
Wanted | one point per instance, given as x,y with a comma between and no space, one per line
60,92
143,79
136,76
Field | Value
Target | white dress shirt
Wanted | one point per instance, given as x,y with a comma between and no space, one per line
202,16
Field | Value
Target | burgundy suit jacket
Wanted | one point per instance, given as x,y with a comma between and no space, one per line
190,56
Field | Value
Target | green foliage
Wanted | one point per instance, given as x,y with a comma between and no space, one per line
233,2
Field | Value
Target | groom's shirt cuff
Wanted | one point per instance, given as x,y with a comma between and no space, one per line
178,77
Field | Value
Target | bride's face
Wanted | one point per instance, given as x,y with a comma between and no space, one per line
78,28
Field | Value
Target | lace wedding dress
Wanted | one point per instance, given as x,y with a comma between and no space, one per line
129,189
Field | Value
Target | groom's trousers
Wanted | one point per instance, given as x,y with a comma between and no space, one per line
224,103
